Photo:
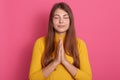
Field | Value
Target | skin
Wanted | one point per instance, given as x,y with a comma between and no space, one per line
61,23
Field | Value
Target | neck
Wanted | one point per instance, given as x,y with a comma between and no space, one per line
59,36
64,33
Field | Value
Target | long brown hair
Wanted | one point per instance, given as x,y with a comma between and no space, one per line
70,43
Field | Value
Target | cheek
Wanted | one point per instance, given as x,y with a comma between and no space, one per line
55,22
68,23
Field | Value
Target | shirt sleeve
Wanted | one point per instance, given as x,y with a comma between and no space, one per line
84,73
35,72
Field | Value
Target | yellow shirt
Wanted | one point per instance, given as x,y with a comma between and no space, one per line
84,73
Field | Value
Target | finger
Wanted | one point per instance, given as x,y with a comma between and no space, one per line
59,48
61,43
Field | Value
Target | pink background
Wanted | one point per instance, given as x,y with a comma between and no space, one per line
23,21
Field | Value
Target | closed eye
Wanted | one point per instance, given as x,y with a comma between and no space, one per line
66,16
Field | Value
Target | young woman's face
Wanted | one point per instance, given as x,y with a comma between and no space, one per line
61,21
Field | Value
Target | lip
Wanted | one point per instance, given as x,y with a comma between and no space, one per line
61,25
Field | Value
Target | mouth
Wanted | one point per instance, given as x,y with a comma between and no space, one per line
61,26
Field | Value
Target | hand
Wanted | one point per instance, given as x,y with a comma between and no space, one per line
62,52
58,53
60,56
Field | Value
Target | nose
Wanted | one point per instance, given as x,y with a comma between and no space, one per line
61,20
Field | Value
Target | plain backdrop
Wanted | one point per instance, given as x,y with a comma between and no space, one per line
97,22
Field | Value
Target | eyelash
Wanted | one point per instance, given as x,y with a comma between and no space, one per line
58,17
66,17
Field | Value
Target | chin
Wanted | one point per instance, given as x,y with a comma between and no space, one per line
60,32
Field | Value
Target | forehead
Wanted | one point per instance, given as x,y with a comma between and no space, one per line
60,12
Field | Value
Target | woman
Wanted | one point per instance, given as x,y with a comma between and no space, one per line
60,55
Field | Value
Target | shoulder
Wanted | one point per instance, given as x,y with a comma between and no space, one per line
40,40
82,47
81,43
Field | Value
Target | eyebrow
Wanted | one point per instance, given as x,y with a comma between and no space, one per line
63,15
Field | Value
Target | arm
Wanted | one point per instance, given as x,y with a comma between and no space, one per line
72,69
84,73
36,71
49,69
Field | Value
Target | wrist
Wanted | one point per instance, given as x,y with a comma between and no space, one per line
64,62
56,62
